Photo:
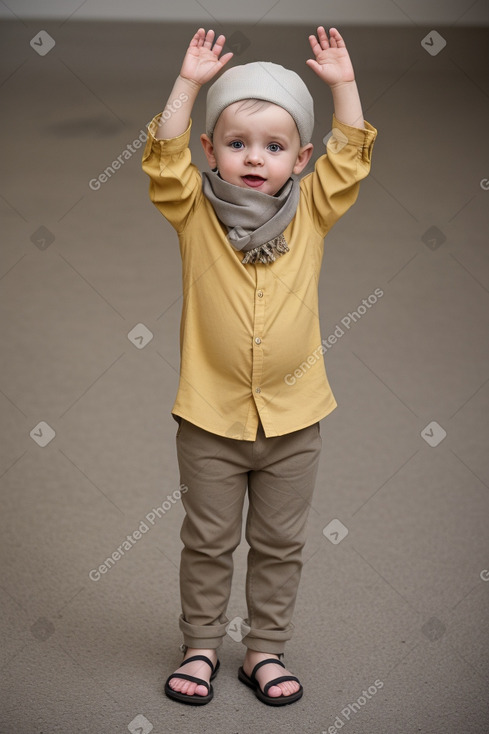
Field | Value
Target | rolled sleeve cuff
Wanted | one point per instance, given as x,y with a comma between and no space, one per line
362,139
170,146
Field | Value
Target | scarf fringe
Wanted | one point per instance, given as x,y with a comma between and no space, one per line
268,252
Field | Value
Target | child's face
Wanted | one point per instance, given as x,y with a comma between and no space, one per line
257,146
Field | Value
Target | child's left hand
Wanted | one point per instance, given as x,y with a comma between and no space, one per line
332,62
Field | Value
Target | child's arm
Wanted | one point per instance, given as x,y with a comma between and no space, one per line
333,65
200,64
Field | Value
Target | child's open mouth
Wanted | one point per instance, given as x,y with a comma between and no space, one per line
253,181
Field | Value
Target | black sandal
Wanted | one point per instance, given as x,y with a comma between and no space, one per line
194,700
251,682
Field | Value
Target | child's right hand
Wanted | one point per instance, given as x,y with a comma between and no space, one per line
201,61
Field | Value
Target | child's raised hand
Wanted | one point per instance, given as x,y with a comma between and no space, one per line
332,62
202,61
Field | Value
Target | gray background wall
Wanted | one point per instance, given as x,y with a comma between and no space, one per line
352,12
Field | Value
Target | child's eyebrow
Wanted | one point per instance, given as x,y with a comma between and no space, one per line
270,136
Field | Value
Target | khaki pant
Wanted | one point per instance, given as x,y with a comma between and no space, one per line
279,474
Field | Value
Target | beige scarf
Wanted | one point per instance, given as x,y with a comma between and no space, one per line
255,221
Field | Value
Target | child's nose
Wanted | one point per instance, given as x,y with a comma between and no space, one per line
253,156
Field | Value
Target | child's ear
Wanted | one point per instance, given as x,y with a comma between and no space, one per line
303,158
208,150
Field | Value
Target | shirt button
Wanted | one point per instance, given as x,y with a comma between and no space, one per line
260,294
257,340
258,389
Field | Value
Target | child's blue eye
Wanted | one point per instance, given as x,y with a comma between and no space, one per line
236,144
274,147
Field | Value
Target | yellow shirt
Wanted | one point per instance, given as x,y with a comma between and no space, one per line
245,329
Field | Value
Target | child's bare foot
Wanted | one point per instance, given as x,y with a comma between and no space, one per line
197,669
269,672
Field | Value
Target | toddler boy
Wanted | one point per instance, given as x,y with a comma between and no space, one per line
251,238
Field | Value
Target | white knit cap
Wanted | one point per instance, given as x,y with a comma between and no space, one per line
266,81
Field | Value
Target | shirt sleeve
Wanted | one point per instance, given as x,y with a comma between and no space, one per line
175,183
333,186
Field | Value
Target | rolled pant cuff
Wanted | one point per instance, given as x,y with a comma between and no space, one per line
268,640
205,636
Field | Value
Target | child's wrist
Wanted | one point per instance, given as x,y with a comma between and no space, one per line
190,83
340,85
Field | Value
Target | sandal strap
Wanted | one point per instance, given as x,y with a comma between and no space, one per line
191,678
199,657
282,679
264,662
